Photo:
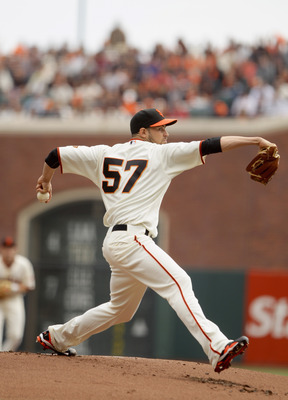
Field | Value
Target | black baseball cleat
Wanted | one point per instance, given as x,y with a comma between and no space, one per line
232,350
44,339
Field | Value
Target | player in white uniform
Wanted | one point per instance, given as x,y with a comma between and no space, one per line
18,270
133,178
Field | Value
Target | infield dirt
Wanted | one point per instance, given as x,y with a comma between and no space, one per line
30,376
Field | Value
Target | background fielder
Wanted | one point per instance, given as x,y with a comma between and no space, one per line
133,178
16,279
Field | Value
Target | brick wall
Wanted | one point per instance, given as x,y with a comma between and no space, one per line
218,217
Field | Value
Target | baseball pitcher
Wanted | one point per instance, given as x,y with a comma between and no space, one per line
133,177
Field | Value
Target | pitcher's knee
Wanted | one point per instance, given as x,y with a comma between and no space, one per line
181,287
183,282
122,314
125,316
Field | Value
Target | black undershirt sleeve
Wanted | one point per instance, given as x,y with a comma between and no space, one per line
210,146
52,159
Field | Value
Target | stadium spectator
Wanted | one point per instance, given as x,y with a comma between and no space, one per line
239,80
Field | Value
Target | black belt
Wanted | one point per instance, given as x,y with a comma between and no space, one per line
124,227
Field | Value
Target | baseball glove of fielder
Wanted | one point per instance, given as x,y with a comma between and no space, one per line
5,288
264,165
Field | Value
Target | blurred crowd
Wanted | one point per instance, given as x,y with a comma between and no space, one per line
237,81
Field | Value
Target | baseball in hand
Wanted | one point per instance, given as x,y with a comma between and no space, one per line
42,197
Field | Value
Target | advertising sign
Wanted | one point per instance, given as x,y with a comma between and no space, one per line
267,317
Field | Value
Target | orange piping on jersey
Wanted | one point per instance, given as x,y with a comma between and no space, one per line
140,140
200,150
179,287
59,158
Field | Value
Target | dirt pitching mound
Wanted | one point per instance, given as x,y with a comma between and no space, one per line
29,376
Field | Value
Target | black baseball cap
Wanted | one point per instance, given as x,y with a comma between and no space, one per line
8,241
147,118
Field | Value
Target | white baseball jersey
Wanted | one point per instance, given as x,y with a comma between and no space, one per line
21,271
125,174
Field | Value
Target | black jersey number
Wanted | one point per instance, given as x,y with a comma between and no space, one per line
115,175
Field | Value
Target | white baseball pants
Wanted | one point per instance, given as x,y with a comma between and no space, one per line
12,315
137,263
